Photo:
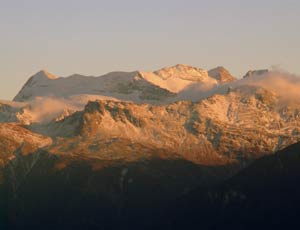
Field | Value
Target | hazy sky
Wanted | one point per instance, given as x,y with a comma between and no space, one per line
93,37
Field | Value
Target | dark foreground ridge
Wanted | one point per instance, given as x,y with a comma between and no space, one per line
144,194
116,195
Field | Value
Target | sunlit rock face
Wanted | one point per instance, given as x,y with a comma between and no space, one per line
238,121
179,77
221,74
239,126
15,138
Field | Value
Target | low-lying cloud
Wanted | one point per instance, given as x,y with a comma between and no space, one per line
284,84
45,109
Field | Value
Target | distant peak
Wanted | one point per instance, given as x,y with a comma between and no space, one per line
45,74
182,71
183,66
220,68
180,67
221,74
259,72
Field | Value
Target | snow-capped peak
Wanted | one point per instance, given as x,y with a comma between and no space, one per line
179,77
159,86
44,74
182,71
39,79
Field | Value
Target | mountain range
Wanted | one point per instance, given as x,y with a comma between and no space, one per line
153,87
122,149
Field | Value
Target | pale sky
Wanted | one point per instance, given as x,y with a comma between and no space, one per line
92,37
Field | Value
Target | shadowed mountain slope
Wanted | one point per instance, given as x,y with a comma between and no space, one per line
265,195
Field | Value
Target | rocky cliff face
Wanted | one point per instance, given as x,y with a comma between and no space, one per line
239,126
14,138
221,75
237,123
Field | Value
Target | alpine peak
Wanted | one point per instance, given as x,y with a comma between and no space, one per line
182,71
251,73
44,74
221,74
